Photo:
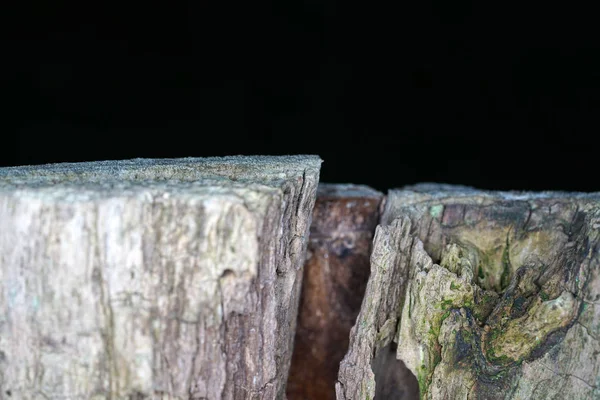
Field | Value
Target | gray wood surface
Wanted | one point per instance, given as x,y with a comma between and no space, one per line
172,279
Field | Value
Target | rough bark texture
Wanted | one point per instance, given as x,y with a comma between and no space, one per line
335,277
485,295
172,279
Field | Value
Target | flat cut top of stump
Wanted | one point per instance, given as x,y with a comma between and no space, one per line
347,191
429,193
189,173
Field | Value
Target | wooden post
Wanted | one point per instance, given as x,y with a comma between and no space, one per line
335,277
481,295
172,279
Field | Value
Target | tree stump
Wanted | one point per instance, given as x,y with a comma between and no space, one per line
335,277
172,279
480,295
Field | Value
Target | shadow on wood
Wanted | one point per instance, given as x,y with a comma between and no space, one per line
335,276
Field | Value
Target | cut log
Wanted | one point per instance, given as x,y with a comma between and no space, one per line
335,277
481,296
172,279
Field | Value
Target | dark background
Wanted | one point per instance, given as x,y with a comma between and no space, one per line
484,95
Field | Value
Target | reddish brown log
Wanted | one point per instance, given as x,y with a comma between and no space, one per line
335,277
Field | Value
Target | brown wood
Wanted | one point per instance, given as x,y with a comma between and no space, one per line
335,276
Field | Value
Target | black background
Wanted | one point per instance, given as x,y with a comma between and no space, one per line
484,94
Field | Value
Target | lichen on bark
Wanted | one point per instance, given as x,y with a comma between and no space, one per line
493,290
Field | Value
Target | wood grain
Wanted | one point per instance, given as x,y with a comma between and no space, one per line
158,279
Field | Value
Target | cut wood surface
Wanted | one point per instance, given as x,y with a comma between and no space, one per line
172,279
480,295
335,277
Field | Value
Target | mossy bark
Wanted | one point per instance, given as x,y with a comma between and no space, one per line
482,295
172,279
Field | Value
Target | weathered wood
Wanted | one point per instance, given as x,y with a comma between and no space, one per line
173,279
335,277
486,296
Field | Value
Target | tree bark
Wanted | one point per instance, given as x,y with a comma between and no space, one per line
480,295
335,277
172,279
